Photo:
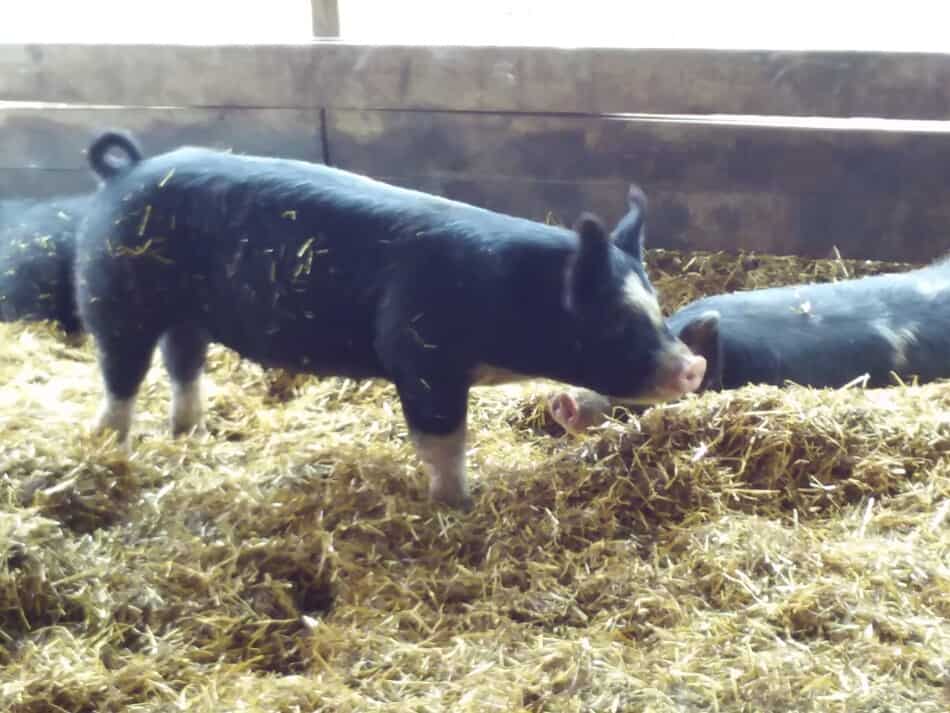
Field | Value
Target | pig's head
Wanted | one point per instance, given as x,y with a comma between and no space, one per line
576,411
623,347
701,334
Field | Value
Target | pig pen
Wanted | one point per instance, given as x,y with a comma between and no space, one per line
760,550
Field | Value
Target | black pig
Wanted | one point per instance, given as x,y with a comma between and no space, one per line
37,247
37,256
818,335
316,269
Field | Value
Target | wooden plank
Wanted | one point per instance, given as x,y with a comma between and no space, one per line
764,222
325,15
704,153
677,221
877,195
43,183
159,75
519,79
57,138
605,81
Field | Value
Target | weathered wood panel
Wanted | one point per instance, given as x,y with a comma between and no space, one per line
57,138
526,79
676,221
872,194
159,75
325,16
706,153
43,183
604,81
720,186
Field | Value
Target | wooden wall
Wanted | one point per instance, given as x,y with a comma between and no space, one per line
725,143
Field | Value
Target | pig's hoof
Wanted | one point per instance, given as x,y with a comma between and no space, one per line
123,441
458,501
186,409
465,504
187,428
74,339
115,416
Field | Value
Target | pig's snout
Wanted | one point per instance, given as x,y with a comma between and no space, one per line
683,374
564,410
579,411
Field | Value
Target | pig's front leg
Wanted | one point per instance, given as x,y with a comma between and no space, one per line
435,411
443,457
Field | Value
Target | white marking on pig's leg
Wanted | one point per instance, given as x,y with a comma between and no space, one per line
186,406
900,340
444,460
115,415
640,299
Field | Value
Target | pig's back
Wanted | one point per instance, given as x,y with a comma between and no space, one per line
827,334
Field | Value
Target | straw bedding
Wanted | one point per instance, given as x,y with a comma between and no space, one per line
760,550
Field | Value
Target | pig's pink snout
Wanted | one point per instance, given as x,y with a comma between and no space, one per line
687,374
564,410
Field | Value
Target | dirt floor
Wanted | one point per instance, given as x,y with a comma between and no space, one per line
761,550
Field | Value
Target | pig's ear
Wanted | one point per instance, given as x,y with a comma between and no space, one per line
588,269
630,233
702,337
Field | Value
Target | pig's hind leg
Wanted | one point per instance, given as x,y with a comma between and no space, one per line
184,350
124,361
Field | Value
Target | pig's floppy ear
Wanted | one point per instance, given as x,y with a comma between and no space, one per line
587,271
703,338
630,233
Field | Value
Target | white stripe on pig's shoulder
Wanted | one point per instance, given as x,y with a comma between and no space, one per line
639,298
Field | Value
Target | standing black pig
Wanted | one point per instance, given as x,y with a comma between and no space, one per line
316,269
819,335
